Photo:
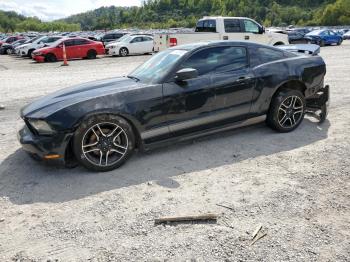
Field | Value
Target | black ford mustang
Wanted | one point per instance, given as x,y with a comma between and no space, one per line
180,93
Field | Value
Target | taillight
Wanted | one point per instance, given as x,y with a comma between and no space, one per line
173,41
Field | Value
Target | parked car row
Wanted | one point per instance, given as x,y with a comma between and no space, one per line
317,36
49,47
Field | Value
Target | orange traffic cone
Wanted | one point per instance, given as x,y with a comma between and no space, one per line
65,62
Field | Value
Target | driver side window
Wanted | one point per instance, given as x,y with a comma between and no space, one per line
251,27
217,59
137,40
69,43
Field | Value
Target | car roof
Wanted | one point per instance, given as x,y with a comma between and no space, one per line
224,17
194,46
316,32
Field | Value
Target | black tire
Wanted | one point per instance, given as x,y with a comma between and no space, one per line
323,114
91,54
50,58
102,138
284,114
339,42
123,51
322,43
9,51
30,51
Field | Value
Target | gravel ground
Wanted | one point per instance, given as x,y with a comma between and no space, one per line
296,185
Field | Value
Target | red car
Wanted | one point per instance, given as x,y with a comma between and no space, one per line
10,39
75,48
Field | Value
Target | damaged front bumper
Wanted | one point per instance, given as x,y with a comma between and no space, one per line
44,147
317,105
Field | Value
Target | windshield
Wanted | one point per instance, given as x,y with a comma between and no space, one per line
50,40
57,42
127,39
32,40
123,38
317,32
158,66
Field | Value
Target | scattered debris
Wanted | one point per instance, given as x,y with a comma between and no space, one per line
257,234
227,224
220,205
2,219
258,237
257,230
186,218
2,107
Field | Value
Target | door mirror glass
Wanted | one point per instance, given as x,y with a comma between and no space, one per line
185,74
261,30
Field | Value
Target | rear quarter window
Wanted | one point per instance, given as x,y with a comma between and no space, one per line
232,25
206,26
263,55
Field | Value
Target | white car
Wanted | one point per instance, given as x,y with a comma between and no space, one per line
346,35
131,45
27,49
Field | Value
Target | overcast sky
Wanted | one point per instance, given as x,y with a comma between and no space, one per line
53,9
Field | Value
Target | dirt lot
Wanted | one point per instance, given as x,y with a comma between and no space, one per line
296,185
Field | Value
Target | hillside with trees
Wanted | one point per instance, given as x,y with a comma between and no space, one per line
184,13
13,22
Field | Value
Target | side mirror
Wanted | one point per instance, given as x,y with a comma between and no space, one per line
185,74
262,30
60,46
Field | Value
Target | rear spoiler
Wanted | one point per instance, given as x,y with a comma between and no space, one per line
308,49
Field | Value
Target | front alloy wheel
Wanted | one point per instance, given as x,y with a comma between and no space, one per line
103,142
123,52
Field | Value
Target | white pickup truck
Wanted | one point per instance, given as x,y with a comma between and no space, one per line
221,28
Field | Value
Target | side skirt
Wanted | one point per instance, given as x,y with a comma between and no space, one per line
239,124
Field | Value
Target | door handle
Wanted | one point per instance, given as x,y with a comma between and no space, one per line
242,79
246,37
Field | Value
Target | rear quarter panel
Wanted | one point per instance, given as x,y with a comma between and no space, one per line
309,71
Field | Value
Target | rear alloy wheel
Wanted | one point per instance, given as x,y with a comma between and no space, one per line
9,51
123,52
104,142
287,111
50,58
91,54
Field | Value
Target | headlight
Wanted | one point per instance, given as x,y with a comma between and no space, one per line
41,127
37,53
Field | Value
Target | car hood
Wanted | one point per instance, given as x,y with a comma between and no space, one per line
64,98
114,44
23,46
47,48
